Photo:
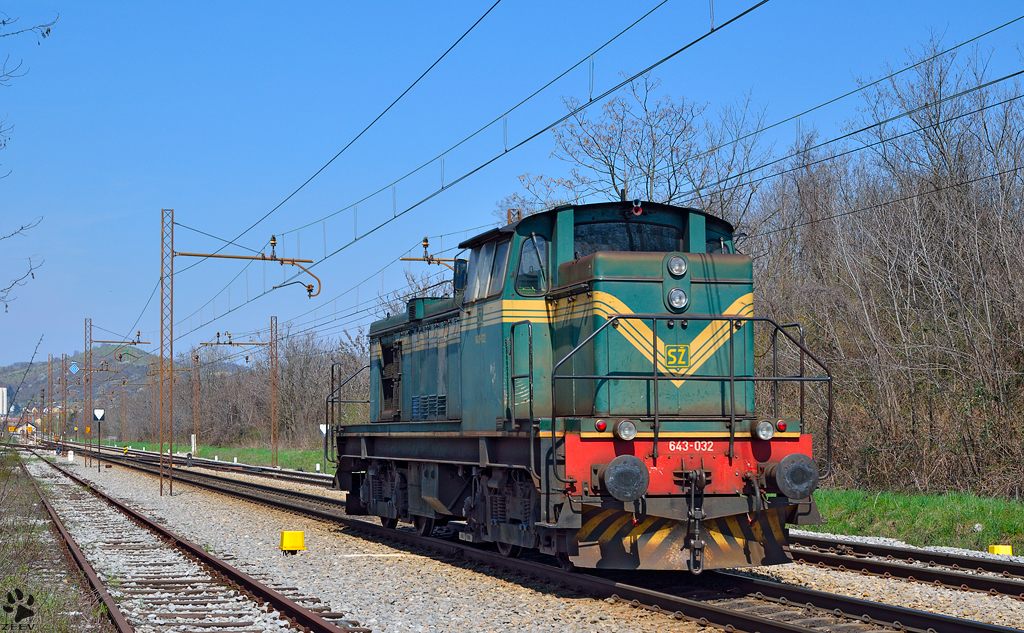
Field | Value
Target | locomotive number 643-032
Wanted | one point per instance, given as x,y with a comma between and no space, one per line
699,446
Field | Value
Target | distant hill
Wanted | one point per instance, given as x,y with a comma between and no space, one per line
134,364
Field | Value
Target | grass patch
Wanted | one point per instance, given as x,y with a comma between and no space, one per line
950,520
286,458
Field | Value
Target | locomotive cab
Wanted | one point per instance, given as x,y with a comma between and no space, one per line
590,390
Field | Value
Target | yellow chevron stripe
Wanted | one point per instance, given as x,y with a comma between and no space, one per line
703,346
773,522
636,332
613,529
758,531
720,540
656,539
592,524
640,528
736,530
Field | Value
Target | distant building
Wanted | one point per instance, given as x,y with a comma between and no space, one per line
3,401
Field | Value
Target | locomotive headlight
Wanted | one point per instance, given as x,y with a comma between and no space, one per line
677,266
625,430
765,430
677,298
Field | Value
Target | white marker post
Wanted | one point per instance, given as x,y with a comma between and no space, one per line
97,417
193,444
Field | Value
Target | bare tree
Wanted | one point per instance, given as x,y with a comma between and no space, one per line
22,278
905,259
655,148
426,284
7,73
901,251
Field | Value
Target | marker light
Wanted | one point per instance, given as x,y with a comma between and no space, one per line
677,266
765,430
625,430
677,298
601,425
781,425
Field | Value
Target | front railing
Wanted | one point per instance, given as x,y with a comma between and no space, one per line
656,376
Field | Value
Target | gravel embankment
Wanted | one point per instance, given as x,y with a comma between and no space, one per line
394,590
385,588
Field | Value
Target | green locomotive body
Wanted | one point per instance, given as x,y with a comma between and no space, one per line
588,391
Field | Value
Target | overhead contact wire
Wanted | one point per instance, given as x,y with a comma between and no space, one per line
359,135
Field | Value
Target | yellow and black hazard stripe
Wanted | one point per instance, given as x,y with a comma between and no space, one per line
739,540
611,537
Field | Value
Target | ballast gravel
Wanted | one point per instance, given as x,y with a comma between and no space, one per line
390,589
384,588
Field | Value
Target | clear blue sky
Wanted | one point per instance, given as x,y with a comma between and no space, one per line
221,110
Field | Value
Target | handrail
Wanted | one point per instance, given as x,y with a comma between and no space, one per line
775,368
529,375
330,400
613,319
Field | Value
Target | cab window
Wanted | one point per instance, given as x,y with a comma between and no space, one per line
533,265
487,264
626,236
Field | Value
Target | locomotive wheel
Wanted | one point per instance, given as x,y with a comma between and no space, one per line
389,524
424,526
565,562
508,550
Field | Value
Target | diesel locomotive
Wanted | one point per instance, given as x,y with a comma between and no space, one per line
588,391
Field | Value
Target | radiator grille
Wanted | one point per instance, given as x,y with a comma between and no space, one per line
430,407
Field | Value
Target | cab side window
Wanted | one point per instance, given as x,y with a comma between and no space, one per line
487,264
531,279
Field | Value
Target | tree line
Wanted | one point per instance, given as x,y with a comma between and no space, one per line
899,248
233,388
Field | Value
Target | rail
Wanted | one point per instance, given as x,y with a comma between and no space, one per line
736,322
299,615
730,607
332,400
98,589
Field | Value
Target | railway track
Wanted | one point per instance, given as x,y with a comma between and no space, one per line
298,476
728,600
51,565
149,579
947,570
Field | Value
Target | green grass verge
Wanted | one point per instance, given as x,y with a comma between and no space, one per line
286,458
950,520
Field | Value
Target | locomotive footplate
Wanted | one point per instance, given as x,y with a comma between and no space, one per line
617,539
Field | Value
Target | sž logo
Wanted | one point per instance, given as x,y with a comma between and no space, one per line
677,355
18,604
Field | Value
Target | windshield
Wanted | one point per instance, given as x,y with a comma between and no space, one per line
626,236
